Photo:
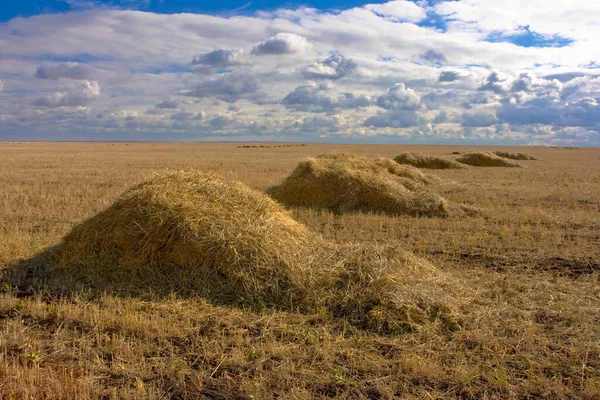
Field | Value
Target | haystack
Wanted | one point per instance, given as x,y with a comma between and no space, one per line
427,162
190,231
194,234
343,183
485,159
516,156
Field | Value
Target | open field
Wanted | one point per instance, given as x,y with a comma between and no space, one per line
526,272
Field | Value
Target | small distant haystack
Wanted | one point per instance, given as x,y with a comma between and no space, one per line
344,183
516,156
428,162
194,234
485,159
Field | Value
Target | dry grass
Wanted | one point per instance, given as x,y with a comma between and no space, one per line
516,155
427,162
344,183
525,325
191,233
485,159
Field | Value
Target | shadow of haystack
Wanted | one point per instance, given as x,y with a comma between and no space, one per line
193,234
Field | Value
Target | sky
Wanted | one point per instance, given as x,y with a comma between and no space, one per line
514,72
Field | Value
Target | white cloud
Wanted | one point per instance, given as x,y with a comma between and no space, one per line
282,43
74,96
73,70
336,66
168,104
144,62
220,58
399,97
395,119
398,10
229,87
311,97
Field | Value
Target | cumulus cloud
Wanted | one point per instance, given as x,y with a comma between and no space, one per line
398,11
494,83
282,43
439,98
168,104
399,97
319,124
449,76
229,87
478,120
311,97
74,71
220,58
557,94
74,96
433,57
584,112
336,66
395,119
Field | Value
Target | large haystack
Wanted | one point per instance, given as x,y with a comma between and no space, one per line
193,233
427,162
516,156
190,231
343,183
485,159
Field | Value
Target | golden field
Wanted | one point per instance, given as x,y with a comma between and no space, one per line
527,267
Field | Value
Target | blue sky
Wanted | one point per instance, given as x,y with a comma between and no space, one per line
422,71
26,8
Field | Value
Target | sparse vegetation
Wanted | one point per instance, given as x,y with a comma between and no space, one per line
427,162
520,284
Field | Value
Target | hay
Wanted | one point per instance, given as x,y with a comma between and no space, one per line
344,183
194,234
428,162
485,159
516,156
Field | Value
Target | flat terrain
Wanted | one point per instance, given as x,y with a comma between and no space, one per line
528,267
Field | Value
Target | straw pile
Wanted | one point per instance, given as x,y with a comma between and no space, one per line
428,162
193,233
485,159
344,183
516,156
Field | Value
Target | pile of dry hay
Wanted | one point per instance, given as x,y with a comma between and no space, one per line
485,159
429,162
516,156
193,233
343,182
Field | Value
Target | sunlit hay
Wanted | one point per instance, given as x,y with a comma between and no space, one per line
344,183
427,162
516,156
485,159
191,233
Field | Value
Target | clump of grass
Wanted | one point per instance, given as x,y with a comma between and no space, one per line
428,162
194,233
516,156
485,159
344,183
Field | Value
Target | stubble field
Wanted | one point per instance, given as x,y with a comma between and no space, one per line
526,268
